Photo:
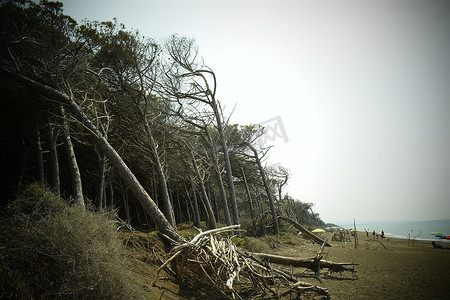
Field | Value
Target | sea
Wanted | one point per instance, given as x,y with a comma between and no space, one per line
420,230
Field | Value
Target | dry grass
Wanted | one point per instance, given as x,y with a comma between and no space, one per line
54,250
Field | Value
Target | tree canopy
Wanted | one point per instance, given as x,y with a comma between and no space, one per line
139,121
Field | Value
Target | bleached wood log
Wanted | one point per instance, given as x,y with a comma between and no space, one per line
309,263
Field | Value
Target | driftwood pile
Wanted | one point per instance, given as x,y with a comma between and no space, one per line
237,274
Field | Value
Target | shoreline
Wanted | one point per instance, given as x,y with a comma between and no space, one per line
417,230
403,237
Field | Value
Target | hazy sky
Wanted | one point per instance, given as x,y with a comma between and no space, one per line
362,89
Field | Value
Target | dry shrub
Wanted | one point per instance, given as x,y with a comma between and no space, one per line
258,245
54,250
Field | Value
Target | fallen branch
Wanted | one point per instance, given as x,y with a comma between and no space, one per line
122,224
163,266
308,263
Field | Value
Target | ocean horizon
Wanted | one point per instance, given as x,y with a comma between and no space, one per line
420,230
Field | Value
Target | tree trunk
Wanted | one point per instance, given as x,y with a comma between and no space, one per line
214,199
77,186
54,164
209,211
101,184
180,211
252,213
111,189
308,263
223,194
196,210
189,206
226,158
149,206
39,157
137,214
126,204
280,186
167,204
269,194
171,199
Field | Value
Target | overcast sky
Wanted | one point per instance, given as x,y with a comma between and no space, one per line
361,88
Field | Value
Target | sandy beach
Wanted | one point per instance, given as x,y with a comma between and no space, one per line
401,272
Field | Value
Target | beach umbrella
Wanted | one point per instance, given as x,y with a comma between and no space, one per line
318,230
438,234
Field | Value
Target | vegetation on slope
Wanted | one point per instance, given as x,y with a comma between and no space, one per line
51,249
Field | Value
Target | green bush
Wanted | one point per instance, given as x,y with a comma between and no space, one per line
54,250
240,242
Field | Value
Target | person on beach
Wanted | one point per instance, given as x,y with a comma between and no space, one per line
373,233
382,234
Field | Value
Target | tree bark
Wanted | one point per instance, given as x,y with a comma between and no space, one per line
196,210
167,204
122,169
77,186
226,158
252,213
101,184
209,211
223,194
54,164
180,211
126,205
188,206
39,157
280,186
309,263
214,200
111,189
